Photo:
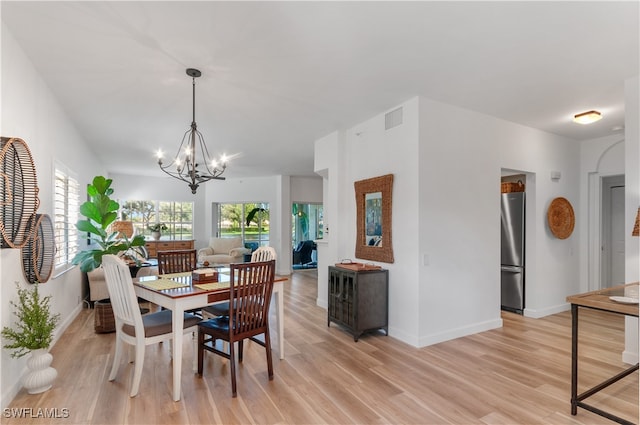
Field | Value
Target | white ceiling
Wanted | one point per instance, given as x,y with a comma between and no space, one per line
279,75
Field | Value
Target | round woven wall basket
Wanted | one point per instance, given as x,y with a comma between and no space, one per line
39,251
561,218
18,192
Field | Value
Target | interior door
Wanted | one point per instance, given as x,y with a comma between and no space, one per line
613,255
617,235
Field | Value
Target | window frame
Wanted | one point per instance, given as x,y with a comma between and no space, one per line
67,236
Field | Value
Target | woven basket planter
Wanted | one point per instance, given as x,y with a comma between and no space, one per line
508,187
104,321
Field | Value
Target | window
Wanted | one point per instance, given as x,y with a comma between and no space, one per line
177,216
232,221
66,209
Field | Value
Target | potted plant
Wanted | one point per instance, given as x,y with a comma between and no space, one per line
156,230
33,334
100,211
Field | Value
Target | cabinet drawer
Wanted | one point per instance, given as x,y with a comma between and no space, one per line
183,244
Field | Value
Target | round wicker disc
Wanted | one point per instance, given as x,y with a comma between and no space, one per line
561,218
39,251
18,192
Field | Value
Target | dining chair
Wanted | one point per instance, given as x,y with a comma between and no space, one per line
177,261
131,326
250,290
263,253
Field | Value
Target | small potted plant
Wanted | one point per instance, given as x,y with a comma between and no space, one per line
156,229
33,334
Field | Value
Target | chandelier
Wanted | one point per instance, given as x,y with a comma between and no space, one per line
188,165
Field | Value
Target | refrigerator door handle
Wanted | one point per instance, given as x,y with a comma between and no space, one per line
511,269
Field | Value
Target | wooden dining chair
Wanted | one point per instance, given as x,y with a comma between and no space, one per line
263,253
177,261
131,326
250,290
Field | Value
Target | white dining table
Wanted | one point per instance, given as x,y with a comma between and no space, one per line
189,297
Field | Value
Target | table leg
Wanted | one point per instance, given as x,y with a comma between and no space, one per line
574,359
178,323
280,318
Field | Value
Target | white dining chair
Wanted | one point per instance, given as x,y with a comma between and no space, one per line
131,327
263,253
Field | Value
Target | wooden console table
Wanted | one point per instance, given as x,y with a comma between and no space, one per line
599,300
165,245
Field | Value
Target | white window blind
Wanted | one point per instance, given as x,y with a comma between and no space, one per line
66,210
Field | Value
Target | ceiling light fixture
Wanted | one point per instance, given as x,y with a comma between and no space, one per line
587,117
184,165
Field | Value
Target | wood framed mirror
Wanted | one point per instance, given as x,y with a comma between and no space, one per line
373,209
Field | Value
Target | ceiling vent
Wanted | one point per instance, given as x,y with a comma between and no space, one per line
393,118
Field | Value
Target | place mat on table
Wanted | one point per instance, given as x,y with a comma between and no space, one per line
162,283
211,286
174,275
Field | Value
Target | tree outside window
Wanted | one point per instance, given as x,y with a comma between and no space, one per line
232,221
177,216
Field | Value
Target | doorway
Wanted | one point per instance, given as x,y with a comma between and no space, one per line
306,226
612,256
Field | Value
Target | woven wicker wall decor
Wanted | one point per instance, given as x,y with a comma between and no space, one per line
39,251
384,250
561,218
18,192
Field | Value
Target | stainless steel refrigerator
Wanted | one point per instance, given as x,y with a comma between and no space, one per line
512,252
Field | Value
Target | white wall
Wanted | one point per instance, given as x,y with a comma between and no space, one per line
306,190
447,161
632,202
599,158
462,154
328,163
31,112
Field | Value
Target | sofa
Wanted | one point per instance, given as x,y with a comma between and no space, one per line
223,251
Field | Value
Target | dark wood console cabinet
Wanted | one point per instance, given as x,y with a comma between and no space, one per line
359,300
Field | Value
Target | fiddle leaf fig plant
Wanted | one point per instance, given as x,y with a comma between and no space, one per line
100,211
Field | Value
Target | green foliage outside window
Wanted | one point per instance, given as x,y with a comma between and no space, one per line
233,221
177,218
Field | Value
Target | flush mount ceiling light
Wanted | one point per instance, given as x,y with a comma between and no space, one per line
587,117
184,166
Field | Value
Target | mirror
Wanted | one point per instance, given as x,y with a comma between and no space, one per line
373,209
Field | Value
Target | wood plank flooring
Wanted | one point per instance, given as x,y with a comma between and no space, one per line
519,374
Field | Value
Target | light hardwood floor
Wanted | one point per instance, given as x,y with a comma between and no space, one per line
519,374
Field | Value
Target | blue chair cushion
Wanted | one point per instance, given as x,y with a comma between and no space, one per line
220,324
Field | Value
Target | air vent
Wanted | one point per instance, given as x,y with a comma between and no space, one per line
393,118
